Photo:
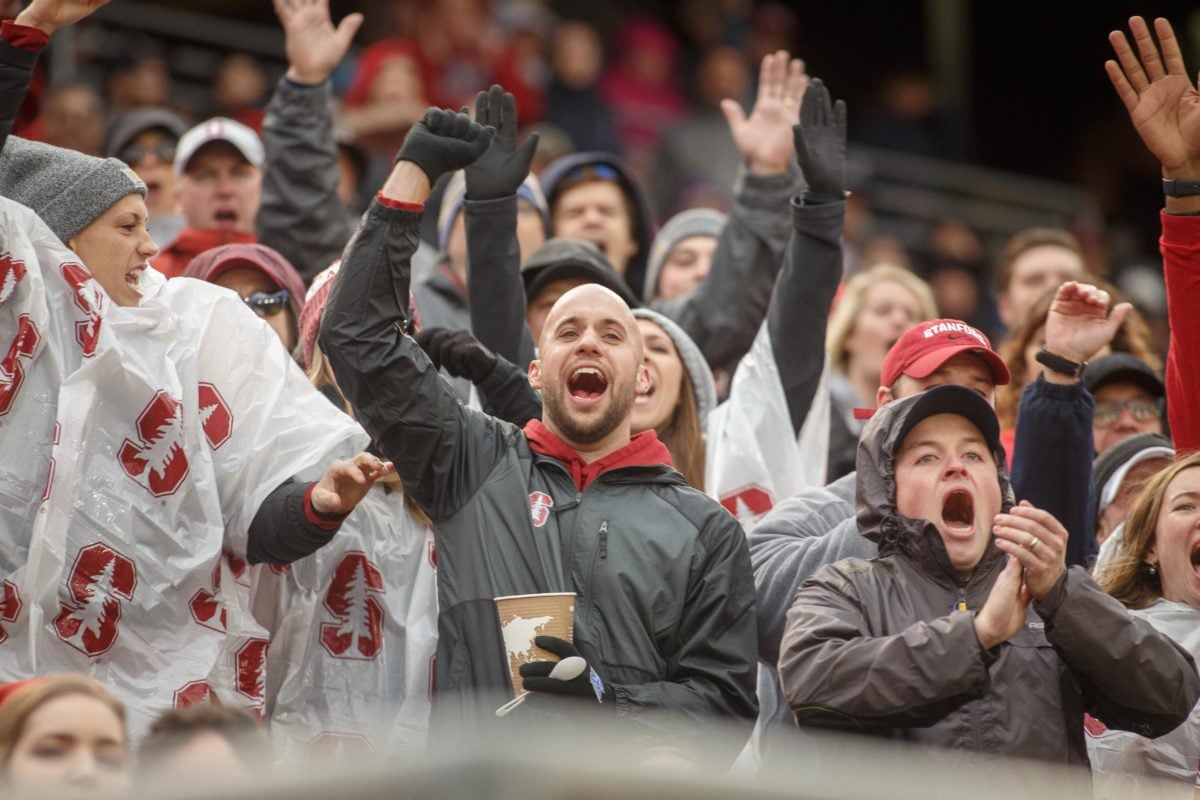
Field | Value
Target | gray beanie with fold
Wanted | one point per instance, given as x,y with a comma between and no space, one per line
67,189
693,222
693,361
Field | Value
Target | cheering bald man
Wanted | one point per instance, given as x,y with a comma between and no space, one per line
664,613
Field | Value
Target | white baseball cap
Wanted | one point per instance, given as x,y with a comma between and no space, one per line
219,129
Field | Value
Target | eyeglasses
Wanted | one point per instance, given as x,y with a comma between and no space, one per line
163,151
267,304
1109,411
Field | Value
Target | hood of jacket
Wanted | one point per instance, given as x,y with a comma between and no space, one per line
878,518
643,219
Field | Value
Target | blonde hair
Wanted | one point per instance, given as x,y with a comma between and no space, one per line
16,710
854,296
1132,337
1127,577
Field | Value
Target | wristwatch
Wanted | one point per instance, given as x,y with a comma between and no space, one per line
1060,364
1176,187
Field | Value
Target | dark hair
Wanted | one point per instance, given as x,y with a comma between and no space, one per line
178,727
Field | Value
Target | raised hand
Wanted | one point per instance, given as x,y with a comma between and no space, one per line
1079,323
458,351
1003,613
1161,99
314,47
50,15
1038,541
765,137
443,141
500,171
346,482
820,143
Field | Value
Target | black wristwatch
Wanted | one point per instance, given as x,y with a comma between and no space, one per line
1176,187
1060,364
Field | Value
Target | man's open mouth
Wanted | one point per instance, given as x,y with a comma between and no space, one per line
225,218
587,384
958,510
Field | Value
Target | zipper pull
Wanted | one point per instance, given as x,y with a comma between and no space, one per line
604,539
961,603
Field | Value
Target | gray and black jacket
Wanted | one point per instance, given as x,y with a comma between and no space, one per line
876,646
665,608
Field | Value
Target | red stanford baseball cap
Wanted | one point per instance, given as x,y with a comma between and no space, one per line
927,345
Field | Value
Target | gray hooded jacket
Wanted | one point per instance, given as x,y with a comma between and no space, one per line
877,645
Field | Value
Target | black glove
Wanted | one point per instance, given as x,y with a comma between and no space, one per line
458,352
499,172
820,141
443,141
586,686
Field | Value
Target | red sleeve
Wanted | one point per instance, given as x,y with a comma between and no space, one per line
399,205
1180,248
326,522
23,36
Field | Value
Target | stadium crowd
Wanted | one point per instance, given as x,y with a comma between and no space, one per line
291,395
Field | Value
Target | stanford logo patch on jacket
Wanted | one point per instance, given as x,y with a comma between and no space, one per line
540,504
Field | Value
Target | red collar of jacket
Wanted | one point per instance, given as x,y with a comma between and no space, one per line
643,450
191,242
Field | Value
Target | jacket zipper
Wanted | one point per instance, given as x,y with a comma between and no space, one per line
961,603
604,539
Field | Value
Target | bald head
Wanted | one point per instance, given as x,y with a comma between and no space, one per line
592,299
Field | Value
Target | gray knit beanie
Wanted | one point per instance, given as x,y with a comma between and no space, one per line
693,222
693,361
66,188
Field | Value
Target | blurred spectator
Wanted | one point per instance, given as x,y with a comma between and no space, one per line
218,170
521,68
700,147
1120,473
1144,286
682,253
957,275
773,27
874,309
553,144
1034,261
146,139
140,79
62,736
391,88
73,117
593,196
642,90
1020,348
1130,398
263,278
908,115
573,101
239,90
463,42
206,742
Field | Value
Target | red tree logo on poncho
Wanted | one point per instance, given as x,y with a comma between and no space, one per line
215,418
206,607
251,662
10,607
87,296
748,502
12,368
351,599
11,273
195,693
157,461
97,583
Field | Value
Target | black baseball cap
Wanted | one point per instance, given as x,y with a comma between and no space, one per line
953,399
1123,368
